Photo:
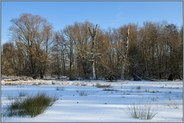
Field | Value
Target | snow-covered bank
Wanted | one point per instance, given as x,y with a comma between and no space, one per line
82,101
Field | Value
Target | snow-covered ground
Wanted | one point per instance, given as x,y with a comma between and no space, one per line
82,101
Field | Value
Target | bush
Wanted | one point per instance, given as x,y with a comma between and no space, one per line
31,106
102,86
22,94
108,89
111,76
144,112
138,87
83,93
60,88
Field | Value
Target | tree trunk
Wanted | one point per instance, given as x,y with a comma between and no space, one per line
94,74
123,72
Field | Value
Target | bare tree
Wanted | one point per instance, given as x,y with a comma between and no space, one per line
125,54
59,53
9,59
93,32
70,38
153,51
31,34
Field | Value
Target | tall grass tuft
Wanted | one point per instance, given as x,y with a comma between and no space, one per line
144,112
60,88
31,106
83,93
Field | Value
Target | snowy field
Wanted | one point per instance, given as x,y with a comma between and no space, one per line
82,101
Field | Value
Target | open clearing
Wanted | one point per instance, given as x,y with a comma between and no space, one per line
83,101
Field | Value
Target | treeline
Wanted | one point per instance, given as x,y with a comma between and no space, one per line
152,51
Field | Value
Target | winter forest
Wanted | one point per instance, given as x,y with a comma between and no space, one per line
83,51
91,62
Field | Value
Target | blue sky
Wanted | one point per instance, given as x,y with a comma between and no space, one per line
106,14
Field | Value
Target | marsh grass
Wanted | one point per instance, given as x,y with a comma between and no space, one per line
31,106
138,87
83,93
144,112
60,88
22,94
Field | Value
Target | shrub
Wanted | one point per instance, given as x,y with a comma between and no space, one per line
138,87
154,99
111,76
102,86
22,94
154,91
108,89
151,91
144,112
31,106
83,93
83,84
60,88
